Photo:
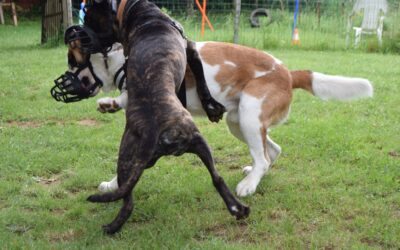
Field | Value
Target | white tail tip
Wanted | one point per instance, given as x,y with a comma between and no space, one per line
341,88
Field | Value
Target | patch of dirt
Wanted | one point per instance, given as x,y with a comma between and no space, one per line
88,122
52,181
58,211
277,214
235,232
24,124
63,236
376,242
218,230
18,229
37,124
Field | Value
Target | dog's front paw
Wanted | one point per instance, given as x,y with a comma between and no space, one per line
247,170
248,185
108,186
215,111
94,198
240,211
110,229
107,105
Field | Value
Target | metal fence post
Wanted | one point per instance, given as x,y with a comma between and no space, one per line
236,21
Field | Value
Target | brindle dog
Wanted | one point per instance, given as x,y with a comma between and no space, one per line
156,122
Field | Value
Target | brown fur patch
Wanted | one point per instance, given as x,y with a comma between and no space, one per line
75,51
302,79
247,62
275,86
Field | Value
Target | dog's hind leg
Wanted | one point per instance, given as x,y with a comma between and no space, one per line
214,109
122,216
200,148
273,149
255,135
136,153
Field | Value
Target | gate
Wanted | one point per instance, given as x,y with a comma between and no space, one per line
56,17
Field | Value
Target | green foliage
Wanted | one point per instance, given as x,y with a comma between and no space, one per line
336,184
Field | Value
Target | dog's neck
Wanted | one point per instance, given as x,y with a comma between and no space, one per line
122,7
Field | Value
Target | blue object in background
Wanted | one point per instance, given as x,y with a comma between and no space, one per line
296,11
82,12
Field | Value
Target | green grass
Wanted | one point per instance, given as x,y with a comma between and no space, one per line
336,184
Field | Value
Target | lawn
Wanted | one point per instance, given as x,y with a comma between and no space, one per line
335,186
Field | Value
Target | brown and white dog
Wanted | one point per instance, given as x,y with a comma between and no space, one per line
256,89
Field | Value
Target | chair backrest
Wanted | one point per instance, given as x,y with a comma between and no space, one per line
373,10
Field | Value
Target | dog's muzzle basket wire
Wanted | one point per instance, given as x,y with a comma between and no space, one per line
69,88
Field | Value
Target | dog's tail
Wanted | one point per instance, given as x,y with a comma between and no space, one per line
329,87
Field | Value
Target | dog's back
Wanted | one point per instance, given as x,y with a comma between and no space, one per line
156,122
156,68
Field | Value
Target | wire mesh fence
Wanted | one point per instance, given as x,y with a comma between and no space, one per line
322,24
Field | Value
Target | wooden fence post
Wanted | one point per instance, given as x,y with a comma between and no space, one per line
236,21
67,13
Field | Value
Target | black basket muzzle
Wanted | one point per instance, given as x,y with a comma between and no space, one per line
89,42
69,88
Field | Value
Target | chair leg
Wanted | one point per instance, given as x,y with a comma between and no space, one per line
379,35
1,14
357,37
14,14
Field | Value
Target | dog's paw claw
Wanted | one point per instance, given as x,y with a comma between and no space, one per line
107,105
240,211
246,170
215,111
107,229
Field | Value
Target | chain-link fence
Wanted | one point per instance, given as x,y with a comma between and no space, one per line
322,24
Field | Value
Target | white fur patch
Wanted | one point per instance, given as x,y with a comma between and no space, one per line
115,61
342,88
230,63
262,73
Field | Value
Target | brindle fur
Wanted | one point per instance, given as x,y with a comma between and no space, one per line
156,122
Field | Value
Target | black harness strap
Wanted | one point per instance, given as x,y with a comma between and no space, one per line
120,77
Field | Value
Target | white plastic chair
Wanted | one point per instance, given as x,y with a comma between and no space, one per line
373,15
